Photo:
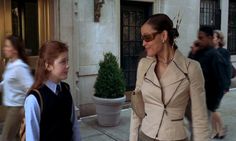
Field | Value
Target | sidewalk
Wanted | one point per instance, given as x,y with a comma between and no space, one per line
90,131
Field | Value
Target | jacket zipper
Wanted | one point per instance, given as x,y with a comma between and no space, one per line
165,111
151,82
175,91
162,98
177,119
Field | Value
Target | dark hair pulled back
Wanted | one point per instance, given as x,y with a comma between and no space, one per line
161,22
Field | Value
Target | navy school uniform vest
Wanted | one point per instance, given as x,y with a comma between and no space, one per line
55,123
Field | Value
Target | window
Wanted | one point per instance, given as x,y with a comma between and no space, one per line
232,27
25,23
210,13
133,14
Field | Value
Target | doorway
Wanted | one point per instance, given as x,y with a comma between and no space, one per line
133,14
32,20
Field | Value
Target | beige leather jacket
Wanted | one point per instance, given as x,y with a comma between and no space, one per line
166,99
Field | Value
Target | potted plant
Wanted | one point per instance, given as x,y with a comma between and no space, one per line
109,91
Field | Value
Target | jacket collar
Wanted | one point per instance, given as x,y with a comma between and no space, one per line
181,61
173,73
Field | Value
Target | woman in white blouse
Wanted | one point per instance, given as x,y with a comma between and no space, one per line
17,79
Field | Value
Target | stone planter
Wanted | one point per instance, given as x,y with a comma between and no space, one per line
108,110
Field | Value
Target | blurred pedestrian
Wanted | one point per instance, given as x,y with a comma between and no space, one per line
165,87
194,48
218,41
213,67
49,108
16,81
218,129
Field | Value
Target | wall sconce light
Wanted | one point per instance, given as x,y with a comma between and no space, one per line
97,9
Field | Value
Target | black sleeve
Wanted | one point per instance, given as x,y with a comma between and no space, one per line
219,72
65,86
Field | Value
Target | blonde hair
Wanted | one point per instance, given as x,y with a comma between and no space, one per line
220,36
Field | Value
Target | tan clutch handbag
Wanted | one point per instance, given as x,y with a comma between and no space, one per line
137,102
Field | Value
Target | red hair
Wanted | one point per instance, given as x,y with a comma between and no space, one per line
48,53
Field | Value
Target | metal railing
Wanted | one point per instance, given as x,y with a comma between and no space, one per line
210,13
133,14
231,44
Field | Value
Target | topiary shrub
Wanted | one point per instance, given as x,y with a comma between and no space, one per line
110,81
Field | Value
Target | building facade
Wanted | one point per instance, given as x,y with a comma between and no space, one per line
116,29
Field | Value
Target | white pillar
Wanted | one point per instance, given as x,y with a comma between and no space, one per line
224,18
190,12
68,33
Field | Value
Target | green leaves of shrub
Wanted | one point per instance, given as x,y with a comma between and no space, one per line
110,81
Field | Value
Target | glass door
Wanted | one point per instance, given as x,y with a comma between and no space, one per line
24,15
32,20
133,14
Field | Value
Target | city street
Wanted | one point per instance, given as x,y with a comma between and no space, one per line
90,131
96,46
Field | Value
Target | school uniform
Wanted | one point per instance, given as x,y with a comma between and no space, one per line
57,121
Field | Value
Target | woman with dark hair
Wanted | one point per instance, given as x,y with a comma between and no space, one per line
17,80
169,82
194,48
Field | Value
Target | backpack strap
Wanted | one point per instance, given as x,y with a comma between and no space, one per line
65,86
39,98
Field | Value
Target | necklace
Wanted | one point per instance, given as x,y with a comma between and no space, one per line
166,63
